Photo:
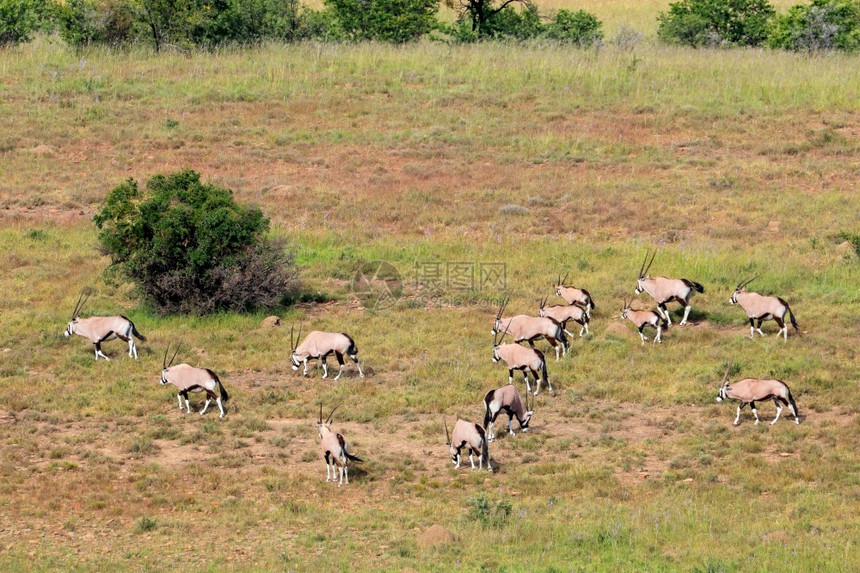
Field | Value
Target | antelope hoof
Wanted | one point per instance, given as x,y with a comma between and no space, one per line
736,424
756,422
772,423
326,376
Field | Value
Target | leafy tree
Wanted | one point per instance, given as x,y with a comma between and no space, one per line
84,22
478,16
168,22
713,22
578,27
819,25
189,248
395,21
19,19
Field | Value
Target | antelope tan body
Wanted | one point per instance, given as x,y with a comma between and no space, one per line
664,291
562,313
526,360
752,390
760,308
524,328
507,399
319,344
643,318
187,379
98,329
472,437
335,451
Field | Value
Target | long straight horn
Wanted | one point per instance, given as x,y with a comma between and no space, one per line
320,413
543,302
299,337
558,282
642,267
726,376
172,358
561,283
745,283
164,360
330,415
648,268
77,305
447,435
292,343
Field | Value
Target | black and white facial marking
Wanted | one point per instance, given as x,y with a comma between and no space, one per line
721,395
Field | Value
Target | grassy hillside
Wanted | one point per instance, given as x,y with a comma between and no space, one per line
732,163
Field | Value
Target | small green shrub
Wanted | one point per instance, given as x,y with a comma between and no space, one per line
487,513
145,524
84,22
700,23
20,19
394,21
852,238
578,27
819,25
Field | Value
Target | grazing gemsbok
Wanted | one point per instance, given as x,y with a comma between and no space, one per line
643,318
473,437
320,345
506,398
752,390
524,328
521,358
100,328
571,295
665,290
760,308
561,313
190,379
336,451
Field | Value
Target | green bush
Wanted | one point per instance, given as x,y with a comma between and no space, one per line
715,22
19,19
84,22
395,21
578,27
820,25
189,248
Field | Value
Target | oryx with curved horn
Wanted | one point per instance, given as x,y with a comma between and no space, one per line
190,379
335,450
506,398
98,329
760,308
562,313
752,390
572,295
471,436
519,357
643,318
318,344
665,290
524,328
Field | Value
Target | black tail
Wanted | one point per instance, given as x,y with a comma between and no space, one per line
224,395
487,399
349,456
485,451
562,337
793,321
352,350
543,372
793,404
694,285
134,331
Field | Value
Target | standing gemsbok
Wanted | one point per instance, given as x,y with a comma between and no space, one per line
665,290
561,313
335,450
524,328
190,379
521,358
320,345
760,308
643,318
506,398
471,436
571,295
752,390
101,328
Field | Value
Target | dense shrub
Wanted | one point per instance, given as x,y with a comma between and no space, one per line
19,19
715,22
578,27
84,22
395,21
820,25
189,248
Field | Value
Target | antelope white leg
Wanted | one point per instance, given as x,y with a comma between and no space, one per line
325,369
537,386
556,353
206,405
357,363
738,417
457,466
220,407
778,412
569,333
642,336
305,372
327,472
339,372
471,461
659,337
752,332
346,474
180,400
686,314
187,405
526,378
551,389
131,350
755,413
759,331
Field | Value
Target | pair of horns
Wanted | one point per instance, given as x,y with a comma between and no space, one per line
329,416
80,305
562,280
294,343
543,302
728,368
643,270
504,305
164,361
627,304
502,337
743,284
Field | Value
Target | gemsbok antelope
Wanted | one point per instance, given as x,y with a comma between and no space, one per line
335,450
524,328
562,313
571,295
665,290
190,379
643,318
506,398
760,308
98,329
318,344
527,360
471,436
752,390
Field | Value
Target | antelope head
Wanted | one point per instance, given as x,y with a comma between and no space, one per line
451,449
73,323
560,284
496,343
165,365
724,385
643,272
294,358
627,306
497,324
740,288
541,311
327,423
